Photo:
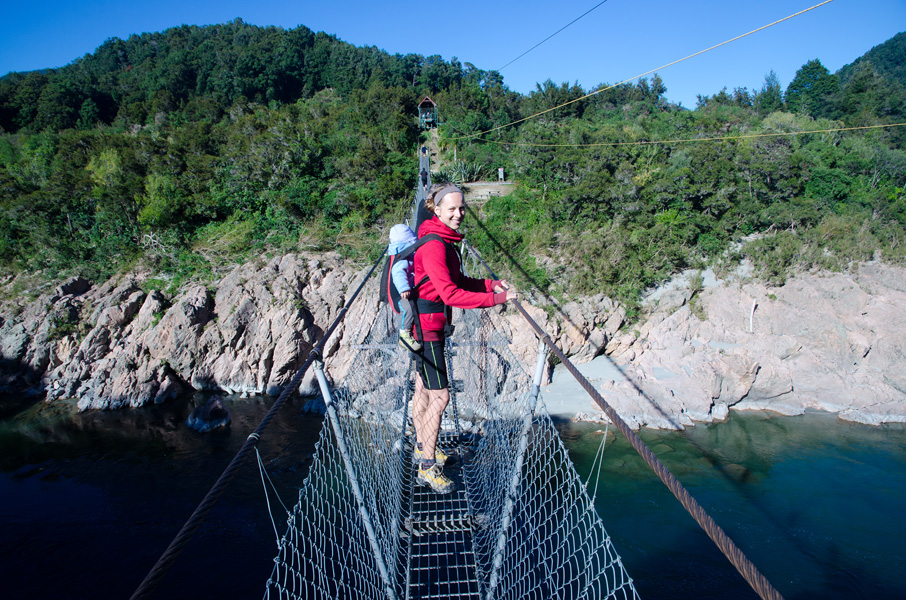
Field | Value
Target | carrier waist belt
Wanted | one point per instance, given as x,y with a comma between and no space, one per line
429,306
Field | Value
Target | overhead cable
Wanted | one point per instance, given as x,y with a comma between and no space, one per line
704,139
603,89
552,35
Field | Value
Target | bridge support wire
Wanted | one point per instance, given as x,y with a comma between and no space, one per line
182,538
750,573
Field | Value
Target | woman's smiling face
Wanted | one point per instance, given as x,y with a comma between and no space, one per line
452,210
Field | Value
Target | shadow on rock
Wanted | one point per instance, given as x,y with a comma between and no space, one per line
19,386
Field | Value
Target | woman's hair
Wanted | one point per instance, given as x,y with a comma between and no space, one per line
441,189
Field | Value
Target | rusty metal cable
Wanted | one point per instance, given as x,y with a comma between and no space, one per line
163,564
736,556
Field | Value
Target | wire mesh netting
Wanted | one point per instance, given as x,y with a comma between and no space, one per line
519,524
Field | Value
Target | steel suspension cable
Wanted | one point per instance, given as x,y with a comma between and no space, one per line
182,538
670,64
552,35
739,560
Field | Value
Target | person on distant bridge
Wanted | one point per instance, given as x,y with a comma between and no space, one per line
445,287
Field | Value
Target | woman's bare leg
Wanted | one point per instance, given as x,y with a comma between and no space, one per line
438,400
419,407
427,413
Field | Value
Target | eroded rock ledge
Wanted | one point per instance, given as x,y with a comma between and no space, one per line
248,335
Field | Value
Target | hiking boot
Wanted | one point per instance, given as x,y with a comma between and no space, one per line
407,342
439,457
434,478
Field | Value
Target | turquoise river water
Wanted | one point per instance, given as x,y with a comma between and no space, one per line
89,501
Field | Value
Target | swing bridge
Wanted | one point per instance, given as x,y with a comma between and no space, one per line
520,523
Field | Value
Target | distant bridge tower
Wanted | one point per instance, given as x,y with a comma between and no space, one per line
427,113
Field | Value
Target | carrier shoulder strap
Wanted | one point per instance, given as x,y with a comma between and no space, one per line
421,242
411,250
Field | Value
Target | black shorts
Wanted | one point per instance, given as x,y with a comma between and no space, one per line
431,364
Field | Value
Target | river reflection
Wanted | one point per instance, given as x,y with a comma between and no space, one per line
89,502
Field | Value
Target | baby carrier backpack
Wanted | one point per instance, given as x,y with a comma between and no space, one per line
389,293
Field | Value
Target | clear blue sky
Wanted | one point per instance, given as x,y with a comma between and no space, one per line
619,40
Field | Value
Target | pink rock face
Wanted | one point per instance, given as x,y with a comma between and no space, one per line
825,341
831,341
248,334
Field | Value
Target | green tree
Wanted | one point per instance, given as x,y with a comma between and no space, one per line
868,96
769,98
89,115
812,91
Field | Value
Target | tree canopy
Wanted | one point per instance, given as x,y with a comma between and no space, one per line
813,90
193,147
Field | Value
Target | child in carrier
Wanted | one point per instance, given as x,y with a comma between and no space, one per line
401,237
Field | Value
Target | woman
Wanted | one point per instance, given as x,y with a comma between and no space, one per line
438,264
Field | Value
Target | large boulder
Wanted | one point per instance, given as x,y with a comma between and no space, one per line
212,415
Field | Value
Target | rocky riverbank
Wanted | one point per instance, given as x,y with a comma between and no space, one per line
827,341
114,344
824,341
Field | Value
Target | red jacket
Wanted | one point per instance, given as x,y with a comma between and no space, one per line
446,283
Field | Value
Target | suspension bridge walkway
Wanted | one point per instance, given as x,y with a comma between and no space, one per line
520,523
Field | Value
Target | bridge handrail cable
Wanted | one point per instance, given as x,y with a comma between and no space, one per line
736,556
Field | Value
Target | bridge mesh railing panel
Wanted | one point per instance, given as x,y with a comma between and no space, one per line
326,552
550,543
555,543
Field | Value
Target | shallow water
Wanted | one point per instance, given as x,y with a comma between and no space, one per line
816,504
89,502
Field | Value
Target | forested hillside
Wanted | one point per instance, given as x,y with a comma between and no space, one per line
200,146
886,59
